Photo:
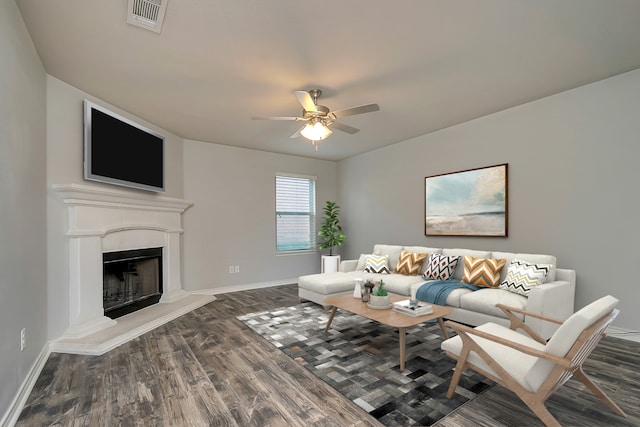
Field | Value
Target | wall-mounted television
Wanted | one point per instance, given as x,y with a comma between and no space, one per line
121,152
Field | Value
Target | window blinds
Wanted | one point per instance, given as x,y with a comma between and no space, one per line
295,213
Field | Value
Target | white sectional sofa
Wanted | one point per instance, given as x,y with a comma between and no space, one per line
553,298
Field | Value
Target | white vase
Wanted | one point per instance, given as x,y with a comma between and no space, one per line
357,290
330,263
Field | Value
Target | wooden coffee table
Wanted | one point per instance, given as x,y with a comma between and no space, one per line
387,317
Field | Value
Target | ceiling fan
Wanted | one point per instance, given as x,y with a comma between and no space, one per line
319,118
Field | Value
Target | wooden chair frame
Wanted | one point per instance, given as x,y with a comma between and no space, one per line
565,367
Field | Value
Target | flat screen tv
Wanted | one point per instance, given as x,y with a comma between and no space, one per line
121,152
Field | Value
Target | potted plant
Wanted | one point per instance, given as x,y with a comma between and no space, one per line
380,296
331,236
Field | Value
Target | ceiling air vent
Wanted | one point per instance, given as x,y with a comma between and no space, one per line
147,14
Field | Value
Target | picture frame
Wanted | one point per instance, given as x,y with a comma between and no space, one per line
471,202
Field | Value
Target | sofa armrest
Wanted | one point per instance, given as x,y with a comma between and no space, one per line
348,265
553,299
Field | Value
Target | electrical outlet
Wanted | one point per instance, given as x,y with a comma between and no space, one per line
23,339
231,269
237,269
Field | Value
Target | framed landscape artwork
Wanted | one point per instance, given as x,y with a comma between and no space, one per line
467,203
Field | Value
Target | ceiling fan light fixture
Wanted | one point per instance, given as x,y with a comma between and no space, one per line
316,131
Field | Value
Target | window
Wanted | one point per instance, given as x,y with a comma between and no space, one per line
295,213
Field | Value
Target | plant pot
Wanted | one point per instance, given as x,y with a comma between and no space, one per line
330,263
379,301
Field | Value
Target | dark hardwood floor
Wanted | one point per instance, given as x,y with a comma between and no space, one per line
206,368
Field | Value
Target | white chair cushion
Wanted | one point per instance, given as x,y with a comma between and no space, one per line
567,334
516,363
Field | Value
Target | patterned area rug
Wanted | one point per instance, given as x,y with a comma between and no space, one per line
360,358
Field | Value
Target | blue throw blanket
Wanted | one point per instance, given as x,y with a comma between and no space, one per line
437,291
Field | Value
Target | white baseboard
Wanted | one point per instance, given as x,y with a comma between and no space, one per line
245,287
624,334
13,413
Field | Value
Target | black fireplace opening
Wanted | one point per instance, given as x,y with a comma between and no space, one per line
132,280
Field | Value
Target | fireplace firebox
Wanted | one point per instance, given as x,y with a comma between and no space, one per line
132,280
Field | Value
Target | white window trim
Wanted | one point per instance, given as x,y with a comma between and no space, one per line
298,251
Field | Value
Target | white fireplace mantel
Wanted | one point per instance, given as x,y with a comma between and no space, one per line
103,220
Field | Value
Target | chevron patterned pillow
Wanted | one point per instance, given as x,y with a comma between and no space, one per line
441,267
483,272
522,276
410,263
377,264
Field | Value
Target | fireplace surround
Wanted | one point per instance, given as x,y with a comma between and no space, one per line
101,220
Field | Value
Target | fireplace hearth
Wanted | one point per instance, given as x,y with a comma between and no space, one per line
132,280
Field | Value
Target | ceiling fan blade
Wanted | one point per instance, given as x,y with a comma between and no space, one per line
305,100
355,110
278,118
344,128
297,133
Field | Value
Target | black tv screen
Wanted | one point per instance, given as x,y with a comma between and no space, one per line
121,152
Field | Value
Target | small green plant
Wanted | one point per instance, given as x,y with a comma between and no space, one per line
331,230
380,291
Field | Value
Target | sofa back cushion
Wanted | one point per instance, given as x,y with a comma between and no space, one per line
392,251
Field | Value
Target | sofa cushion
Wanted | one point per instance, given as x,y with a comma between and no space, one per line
395,283
440,267
377,264
485,300
362,261
410,263
392,251
329,283
423,249
522,276
459,271
483,272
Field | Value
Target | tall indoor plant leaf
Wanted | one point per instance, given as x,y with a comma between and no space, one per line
330,230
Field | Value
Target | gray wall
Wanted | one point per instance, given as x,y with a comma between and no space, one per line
65,166
23,256
232,221
573,176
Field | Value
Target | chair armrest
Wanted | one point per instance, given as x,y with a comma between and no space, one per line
505,309
465,331
516,323
348,265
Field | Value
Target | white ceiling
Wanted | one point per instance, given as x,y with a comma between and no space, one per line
429,64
